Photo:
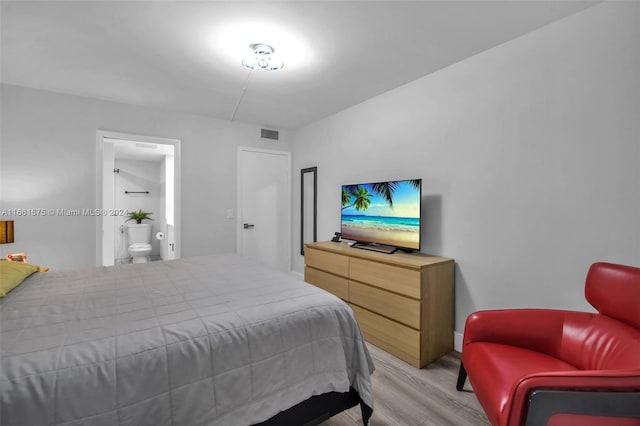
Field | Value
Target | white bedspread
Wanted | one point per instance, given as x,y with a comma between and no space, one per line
211,340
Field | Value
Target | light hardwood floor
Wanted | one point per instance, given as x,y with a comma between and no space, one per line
404,395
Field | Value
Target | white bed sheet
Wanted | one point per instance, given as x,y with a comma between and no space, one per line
210,340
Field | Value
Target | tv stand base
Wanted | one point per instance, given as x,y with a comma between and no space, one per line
380,248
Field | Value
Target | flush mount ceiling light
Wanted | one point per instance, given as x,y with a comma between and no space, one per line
262,58
232,40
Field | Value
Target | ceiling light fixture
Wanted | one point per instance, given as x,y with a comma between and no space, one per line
262,58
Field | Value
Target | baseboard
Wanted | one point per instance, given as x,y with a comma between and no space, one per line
457,341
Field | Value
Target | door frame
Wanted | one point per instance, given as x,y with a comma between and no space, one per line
239,228
101,135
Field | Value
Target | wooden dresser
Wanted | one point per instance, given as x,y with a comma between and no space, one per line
403,302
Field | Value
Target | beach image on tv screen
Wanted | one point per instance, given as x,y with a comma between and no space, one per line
384,213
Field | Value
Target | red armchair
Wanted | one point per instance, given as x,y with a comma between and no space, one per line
553,367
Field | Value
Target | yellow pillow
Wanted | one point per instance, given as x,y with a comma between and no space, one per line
12,274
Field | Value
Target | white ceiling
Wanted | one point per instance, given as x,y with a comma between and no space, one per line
175,54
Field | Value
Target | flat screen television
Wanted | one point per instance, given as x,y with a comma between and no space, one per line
382,214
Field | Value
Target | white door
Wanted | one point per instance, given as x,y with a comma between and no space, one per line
108,204
171,243
264,206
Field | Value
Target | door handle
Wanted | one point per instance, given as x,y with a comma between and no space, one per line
172,246
248,226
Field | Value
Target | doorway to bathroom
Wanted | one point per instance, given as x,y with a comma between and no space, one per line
135,173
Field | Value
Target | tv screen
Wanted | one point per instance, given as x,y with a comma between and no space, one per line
386,213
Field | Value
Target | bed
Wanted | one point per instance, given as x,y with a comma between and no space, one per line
209,340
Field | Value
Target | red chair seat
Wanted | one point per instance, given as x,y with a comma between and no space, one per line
499,368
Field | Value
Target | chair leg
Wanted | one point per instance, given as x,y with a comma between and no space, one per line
462,376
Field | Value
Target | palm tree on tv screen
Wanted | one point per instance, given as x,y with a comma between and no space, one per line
384,189
362,197
346,198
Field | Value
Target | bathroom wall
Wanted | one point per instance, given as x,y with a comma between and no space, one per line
162,223
138,175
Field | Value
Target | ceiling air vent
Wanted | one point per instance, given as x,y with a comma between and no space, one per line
269,134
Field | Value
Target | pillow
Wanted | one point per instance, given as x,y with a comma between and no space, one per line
12,274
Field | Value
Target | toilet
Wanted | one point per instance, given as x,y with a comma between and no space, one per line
139,242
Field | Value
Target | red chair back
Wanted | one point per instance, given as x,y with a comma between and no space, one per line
614,290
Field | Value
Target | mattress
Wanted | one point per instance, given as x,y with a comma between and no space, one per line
209,340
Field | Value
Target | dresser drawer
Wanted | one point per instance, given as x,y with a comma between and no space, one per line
393,278
330,262
329,282
390,305
389,334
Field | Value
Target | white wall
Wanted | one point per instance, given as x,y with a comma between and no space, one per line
48,158
529,155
